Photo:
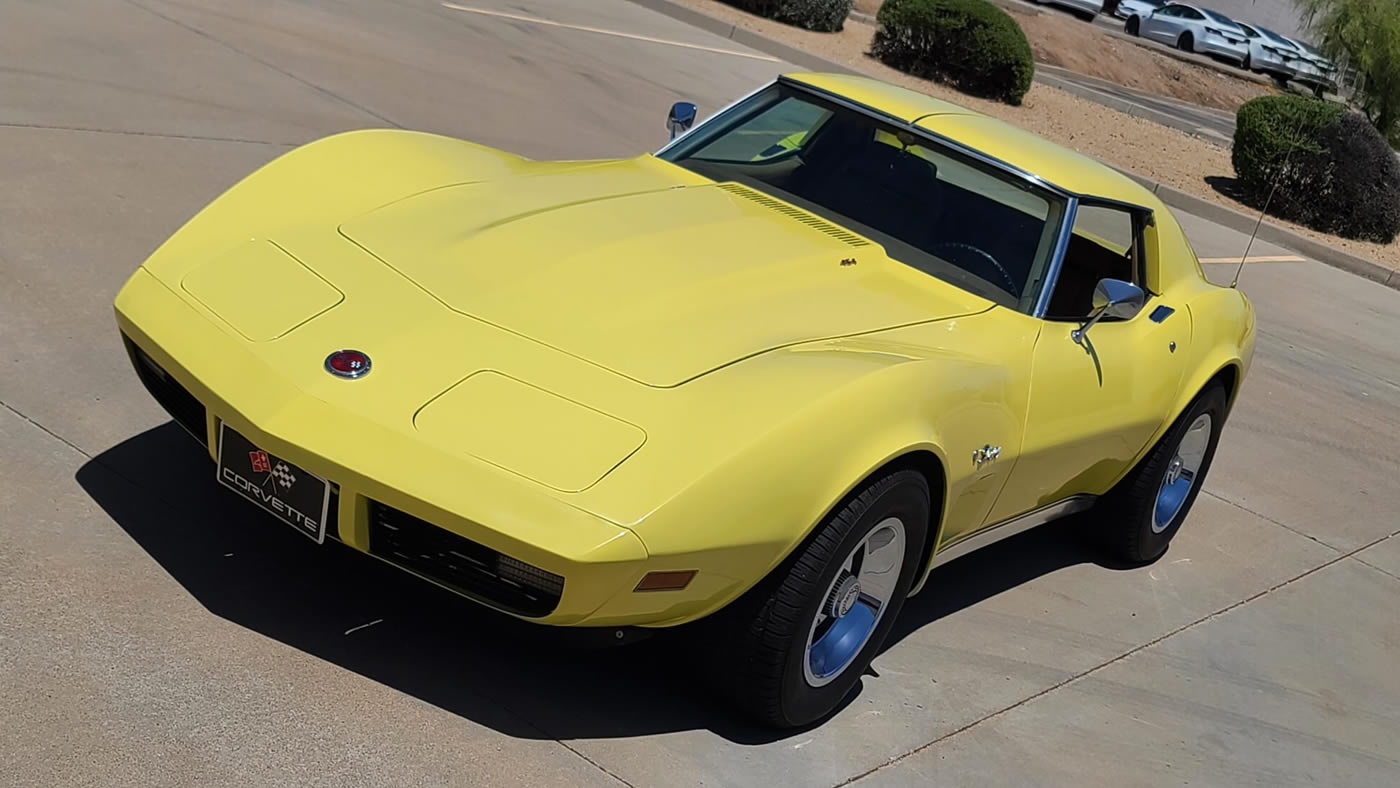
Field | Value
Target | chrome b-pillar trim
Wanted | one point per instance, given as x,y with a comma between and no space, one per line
992,534
1057,259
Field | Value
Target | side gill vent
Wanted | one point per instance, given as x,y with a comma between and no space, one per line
846,237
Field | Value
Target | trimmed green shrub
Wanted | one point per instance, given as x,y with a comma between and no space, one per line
1276,141
825,16
970,44
1325,168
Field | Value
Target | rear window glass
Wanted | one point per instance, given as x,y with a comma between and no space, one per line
1221,18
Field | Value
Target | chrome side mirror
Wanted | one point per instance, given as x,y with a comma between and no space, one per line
1112,298
681,118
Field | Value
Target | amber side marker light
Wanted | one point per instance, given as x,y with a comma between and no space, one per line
666,581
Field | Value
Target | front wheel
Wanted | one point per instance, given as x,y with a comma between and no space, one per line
792,649
1186,43
1146,509
1132,26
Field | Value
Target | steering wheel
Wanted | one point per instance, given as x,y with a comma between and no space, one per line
979,254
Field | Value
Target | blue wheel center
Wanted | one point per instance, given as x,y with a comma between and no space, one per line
835,649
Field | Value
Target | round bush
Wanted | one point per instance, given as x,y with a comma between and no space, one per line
1276,141
1364,200
826,16
971,44
1325,168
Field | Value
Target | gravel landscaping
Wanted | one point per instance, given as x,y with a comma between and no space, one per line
1162,154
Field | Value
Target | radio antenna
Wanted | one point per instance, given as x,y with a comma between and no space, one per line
1288,157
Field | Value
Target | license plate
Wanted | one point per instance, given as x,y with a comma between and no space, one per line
297,497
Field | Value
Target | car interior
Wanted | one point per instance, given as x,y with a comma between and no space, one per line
880,181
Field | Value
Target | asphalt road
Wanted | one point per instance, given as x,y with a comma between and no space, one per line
156,632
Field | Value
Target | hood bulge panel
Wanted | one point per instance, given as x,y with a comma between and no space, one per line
654,280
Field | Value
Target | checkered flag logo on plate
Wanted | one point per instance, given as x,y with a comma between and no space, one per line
284,475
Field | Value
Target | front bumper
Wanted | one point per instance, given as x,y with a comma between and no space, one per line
463,515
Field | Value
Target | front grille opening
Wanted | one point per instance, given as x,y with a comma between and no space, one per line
467,567
187,411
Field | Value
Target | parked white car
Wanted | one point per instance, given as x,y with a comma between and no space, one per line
1270,53
1130,8
1315,69
1084,9
1192,29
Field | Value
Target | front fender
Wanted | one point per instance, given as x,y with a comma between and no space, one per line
1222,344
324,182
740,518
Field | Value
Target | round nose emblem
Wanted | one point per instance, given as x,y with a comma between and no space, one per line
347,364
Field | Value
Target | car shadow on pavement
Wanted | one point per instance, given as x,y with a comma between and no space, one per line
358,613
1235,189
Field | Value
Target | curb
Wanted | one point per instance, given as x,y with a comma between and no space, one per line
1175,198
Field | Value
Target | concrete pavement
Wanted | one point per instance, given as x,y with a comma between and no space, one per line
155,631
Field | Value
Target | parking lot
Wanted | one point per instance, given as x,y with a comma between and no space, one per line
155,630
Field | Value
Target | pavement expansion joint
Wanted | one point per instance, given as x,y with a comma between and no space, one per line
1269,519
236,50
70,444
138,133
1130,652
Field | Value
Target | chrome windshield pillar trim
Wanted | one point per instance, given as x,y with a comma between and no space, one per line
1057,259
711,118
1005,529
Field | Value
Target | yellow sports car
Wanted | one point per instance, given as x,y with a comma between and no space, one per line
770,377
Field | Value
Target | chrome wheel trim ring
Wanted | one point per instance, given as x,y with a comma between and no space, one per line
854,603
1182,473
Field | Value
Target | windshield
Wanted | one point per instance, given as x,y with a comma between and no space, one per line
1275,37
931,207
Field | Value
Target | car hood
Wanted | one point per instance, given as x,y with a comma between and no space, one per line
660,280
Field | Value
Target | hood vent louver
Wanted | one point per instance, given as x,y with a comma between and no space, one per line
816,223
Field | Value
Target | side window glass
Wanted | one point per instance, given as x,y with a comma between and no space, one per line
778,130
1104,245
1191,13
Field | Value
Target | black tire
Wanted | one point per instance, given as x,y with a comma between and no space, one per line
1132,26
1128,510
1087,16
1280,80
757,645
1186,43
1247,62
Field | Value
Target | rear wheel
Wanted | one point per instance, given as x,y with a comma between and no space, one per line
1146,509
1131,27
792,649
1186,43
1248,63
